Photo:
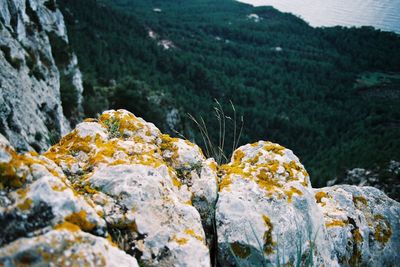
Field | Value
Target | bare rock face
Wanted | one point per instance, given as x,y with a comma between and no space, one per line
266,212
363,224
35,195
117,179
115,191
67,245
37,71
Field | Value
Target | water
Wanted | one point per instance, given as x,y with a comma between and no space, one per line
381,14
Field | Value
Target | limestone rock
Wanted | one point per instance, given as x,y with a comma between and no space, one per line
37,69
266,212
115,191
153,191
385,177
36,195
363,224
65,246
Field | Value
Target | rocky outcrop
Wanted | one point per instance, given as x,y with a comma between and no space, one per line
39,77
385,177
116,178
117,192
266,212
363,224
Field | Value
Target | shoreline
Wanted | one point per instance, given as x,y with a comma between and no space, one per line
332,13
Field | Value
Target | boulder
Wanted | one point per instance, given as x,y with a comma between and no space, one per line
363,224
119,177
266,212
65,246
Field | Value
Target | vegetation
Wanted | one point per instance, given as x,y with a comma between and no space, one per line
113,127
218,150
294,85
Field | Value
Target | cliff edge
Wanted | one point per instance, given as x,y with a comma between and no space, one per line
115,191
40,83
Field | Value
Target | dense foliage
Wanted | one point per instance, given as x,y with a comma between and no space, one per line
295,85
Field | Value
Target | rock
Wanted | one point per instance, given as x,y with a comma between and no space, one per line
37,71
162,229
363,224
35,195
115,191
65,246
385,177
266,212
196,175
149,192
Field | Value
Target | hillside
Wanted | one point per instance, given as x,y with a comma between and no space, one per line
118,190
293,84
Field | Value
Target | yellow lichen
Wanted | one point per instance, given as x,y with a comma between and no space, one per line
383,230
291,192
109,239
238,156
26,205
292,168
268,241
228,169
125,121
336,223
59,188
119,162
168,145
266,180
255,159
255,144
264,174
225,182
33,153
358,200
176,182
213,166
90,190
192,233
180,241
275,148
67,226
320,195
100,213
90,120
13,173
21,192
80,219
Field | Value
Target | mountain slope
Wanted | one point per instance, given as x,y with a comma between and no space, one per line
294,84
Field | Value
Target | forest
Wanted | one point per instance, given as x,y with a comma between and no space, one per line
329,94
